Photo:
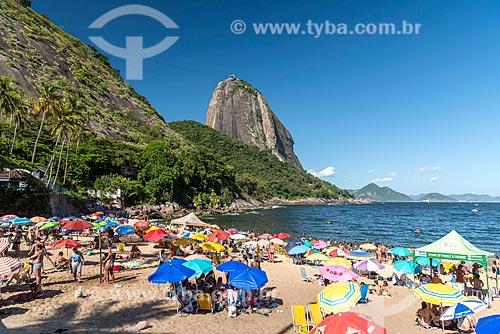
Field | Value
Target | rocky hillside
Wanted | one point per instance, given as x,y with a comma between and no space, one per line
241,112
33,50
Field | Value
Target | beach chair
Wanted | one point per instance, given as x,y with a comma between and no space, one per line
204,302
364,293
303,275
315,315
299,319
121,248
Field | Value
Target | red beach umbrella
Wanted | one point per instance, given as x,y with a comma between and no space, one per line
68,243
218,234
265,236
142,224
348,322
282,235
155,235
77,225
9,216
337,252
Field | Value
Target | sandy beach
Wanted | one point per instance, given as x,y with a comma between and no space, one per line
108,308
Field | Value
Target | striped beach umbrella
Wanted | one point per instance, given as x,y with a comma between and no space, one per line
368,246
4,244
359,255
369,265
317,257
339,297
435,293
8,265
462,309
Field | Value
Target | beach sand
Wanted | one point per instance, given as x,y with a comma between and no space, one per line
109,309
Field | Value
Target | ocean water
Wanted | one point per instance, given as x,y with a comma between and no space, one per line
392,223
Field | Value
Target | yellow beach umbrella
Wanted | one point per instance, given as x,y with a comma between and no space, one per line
439,294
39,219
368,246
152,228
183,242
317,257
339,297
340,261
213,247
199,237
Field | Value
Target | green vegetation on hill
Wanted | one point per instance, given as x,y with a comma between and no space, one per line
436,197
374,193
259,174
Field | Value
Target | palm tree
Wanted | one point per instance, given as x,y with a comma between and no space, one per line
46,104
19,117
8,97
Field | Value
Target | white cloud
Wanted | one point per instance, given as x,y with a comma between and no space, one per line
384,179
433,179
328,171
370,171
392,174
429,169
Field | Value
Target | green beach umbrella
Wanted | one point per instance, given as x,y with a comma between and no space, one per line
317,257
49,225
96,226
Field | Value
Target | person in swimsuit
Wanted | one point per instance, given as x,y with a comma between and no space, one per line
109,264
37,259
468,325
16,243
77,262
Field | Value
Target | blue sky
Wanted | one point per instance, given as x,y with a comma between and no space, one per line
418,113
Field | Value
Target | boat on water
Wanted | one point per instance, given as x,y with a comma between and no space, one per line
475,210
328,222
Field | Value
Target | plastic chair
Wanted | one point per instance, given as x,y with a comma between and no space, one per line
315,314
299,319
205,302
303,275
364,293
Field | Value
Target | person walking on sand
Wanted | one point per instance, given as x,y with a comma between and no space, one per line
37,259
77,261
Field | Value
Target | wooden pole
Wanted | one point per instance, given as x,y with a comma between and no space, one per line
100,256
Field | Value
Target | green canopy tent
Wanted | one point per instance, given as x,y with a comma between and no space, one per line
455,247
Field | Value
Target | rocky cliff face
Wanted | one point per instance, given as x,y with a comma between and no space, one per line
240,111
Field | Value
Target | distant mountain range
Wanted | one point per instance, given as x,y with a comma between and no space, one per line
374,193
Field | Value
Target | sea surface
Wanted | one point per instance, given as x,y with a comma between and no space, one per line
389,223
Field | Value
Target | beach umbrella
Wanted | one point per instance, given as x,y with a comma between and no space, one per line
124,230
8,265
111,224
368,246
317,257
39,219
400,251
54,218
77,225
231,266
265,236
130,238
369,265
293,243
199,237
199,267
359,255
238,236
219,234
20,221
68,243
336,273
188,235
300,249
461,309
282,235
151,228
9,216
436,293
213,247
488,325
407,267
155,235
321,245
251,244
248,279
339,261
214,227
337,252
263,242
307,243
197,257
183,241
49,225
170,272
348,322
206,232
233,230
339,297
141,224
171,237
4,244
96,226
426,262
277,241
329,249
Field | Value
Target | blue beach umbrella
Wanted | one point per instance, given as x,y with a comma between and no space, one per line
307,243
170,272
176,260
462,309
110,224
20,221
489,325
248,279
426,262
231,266
199,267
125,230
300,249
293,243
400,251
407,267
